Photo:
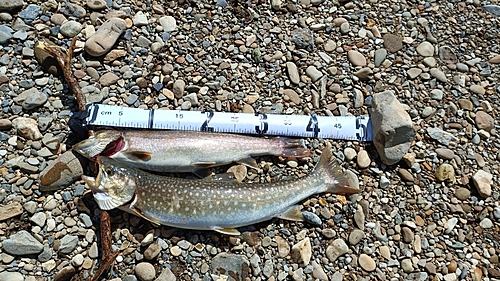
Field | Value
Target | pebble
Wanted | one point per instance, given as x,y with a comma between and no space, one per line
108,79
425,49
168,23
477,89
10,210
445,173
438,74
484,121
441,136
225,262
27,128
363,159
392,128
105,37
313,73
462,193
145,271
482,181
22,243
336,249
355,236
11,276
68,244
445,153
356,58
366,263
393,43
96,4
293,72
70,28
302,252
379,57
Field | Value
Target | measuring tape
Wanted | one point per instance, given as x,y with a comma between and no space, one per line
356,128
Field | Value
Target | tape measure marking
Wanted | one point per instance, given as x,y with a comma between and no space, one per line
356,128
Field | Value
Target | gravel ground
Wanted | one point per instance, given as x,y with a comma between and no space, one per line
434,215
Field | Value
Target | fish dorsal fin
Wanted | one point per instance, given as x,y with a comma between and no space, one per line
249,162
105,202
203,165
227,230
293,213
138,155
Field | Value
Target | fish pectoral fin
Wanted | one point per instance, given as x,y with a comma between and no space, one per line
138,155
105,201
203,165
249,162
138,213
227,230
293,213
224,177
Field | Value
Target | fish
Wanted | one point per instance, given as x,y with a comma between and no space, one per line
184,151
210,205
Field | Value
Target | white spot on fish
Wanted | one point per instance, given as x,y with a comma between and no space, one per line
186,209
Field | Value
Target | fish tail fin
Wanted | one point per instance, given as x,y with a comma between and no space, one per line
329,171
291,148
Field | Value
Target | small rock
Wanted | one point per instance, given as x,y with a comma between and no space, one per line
413,72
239,172
407,265
108,79
27,128
366,262
355,236
140,19
96,4
65,274
63,171
152,251
441,136
438,74
363,159
293,72
407,234
445,153
22,243
105,37
336,249
484,121
10,210
482,181
166,275
11,276
445,172
462,193
425,49
145,271
292,95
71,28
356,58
318,272
237,264
313,73
379,56
392,127
477,89
349,153
393,43
168,23
39,219
68,244
178,88
302,252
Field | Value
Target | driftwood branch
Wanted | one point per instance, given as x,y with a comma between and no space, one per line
64,61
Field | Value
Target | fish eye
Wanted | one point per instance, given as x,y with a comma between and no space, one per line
109,171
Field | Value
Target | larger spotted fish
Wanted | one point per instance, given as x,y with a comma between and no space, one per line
210,205
184,151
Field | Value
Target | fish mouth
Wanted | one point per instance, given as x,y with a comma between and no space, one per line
90,181
93,147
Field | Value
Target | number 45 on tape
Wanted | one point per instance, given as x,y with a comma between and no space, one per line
356,128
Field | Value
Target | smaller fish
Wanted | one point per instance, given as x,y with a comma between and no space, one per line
210,205
184,151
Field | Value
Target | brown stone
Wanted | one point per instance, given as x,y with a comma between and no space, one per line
10,210
405,175
292,95
63,171
484,121
393,43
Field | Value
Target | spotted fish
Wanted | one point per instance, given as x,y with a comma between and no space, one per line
184,151
210,205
